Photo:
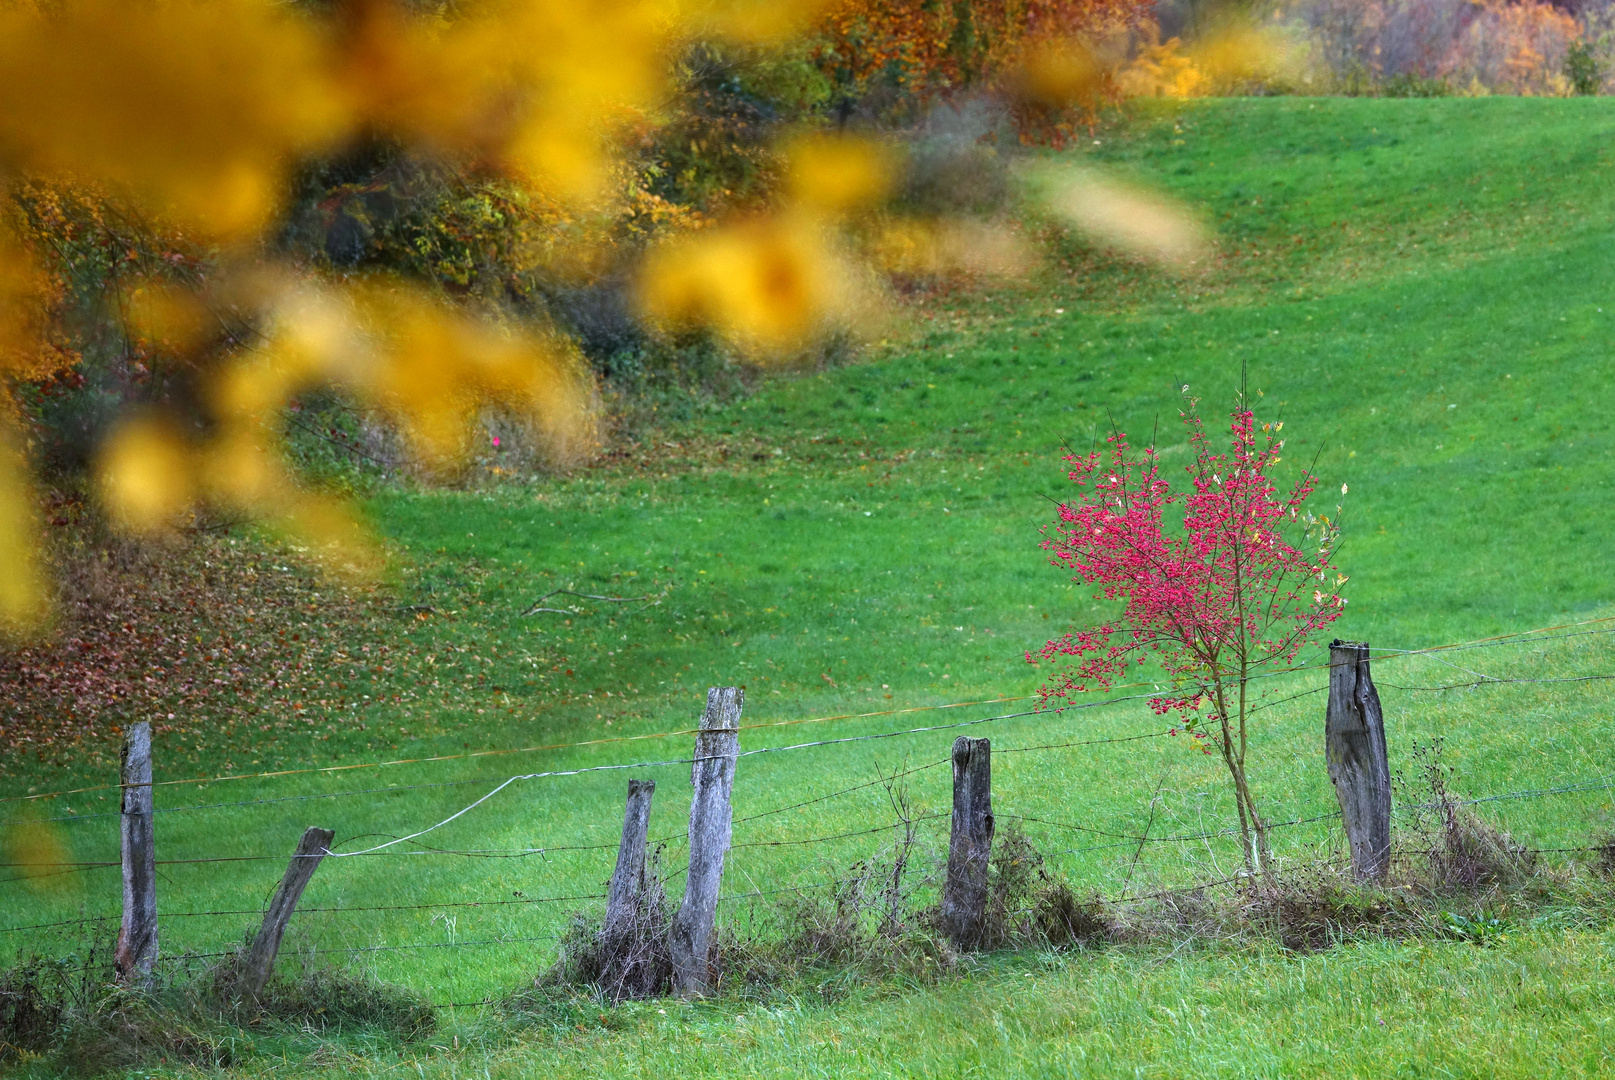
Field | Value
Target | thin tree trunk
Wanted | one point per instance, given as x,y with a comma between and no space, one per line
1263,856
1254,846
1232,763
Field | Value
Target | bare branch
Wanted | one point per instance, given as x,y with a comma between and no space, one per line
649,600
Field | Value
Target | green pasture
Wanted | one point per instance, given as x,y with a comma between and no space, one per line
1416,287
1363,1011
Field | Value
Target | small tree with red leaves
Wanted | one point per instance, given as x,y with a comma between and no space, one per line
1246,585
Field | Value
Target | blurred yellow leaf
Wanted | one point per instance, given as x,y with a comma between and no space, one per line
1142,224
37,851
146,475
436,368
242,467
26,347
1058,72
334,536
564,160
766,284
928,247
165,315
838,173
194,106
1236,56
753,21
24,605
534,84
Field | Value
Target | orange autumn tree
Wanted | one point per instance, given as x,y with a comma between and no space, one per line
1041,54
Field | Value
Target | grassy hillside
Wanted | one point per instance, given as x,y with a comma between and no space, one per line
1417,289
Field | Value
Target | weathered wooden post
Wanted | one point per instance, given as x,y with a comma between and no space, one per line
717,745
136,952
259,963
1354,743
964,892
627,890
625,936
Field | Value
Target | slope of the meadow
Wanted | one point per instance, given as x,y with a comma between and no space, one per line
1417,288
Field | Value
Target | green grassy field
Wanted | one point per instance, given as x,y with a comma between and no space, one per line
1416,287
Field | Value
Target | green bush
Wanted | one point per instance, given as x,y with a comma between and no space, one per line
1409,85
1583,69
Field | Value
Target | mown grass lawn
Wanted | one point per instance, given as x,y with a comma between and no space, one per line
1417,289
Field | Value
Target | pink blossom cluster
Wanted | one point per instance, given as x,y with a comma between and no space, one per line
1228,594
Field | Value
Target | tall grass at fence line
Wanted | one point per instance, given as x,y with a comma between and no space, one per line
1115,818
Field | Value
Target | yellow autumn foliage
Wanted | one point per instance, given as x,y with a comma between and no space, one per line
1222,62
196,108
192,118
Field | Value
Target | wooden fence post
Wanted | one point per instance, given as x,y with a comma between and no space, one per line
259,962
627,890
964,892
136,952
717,745
1354,743
627,937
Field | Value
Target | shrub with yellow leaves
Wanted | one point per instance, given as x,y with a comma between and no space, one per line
1233,58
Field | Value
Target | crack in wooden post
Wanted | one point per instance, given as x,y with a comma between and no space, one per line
1359,768
259,963
970,845
717,745
135,956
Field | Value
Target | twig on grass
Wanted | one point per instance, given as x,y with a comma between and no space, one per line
1155,805
649,600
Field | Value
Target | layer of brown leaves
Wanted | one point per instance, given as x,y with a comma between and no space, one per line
203,637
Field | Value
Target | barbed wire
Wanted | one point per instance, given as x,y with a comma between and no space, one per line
348,950
844,791
1484,680
733,897
502,785
1082,742
1126,840
255,802
840,836
325,910
1601,783
1514,637
1518,637
1496,680
436,758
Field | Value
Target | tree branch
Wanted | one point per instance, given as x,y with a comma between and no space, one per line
649,600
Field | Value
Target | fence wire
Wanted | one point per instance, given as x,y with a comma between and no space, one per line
409,843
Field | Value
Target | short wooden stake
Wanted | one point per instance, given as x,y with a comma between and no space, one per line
964,892
136,952
626,895
635,919
1354,743
717,745
259,962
